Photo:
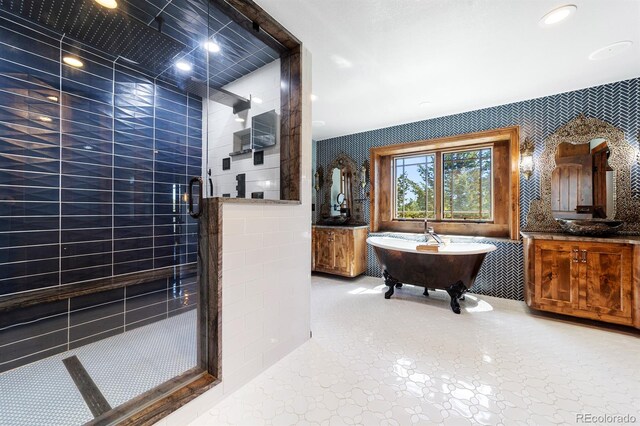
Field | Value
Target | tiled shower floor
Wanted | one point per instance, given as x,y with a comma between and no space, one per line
410,360
122,366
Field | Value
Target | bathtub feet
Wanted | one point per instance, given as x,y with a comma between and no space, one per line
456,292
390,282
426,292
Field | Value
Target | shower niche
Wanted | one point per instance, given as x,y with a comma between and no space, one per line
263,133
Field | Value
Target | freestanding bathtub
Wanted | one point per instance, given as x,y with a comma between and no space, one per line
453,268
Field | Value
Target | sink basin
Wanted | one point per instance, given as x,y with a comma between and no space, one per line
335,220
590,227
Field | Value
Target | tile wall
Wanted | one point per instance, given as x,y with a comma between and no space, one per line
30,334
263,83
93,165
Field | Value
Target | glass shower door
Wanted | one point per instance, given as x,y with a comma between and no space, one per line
98,246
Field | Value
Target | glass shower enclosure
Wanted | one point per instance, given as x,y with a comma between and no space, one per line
102,129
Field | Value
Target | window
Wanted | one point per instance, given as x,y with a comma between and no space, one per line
464,185
415,187
465,190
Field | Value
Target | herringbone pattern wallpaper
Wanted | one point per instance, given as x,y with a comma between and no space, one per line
502,272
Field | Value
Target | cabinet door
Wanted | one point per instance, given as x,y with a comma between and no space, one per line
606,288
324,251
342,242
314,242
557,276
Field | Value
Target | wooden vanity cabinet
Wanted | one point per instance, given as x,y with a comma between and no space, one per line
586,279
339,250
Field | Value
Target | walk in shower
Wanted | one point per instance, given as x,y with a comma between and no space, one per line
103,124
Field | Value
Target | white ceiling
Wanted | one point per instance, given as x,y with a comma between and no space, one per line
375,61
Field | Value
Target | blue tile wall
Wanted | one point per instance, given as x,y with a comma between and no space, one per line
502,273
93,163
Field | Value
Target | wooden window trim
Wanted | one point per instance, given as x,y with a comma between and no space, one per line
505,224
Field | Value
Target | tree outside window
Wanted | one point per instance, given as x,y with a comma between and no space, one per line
415,187
466,187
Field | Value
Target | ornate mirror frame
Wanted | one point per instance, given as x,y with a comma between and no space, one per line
342,161
578,131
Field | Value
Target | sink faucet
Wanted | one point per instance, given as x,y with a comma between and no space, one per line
428,231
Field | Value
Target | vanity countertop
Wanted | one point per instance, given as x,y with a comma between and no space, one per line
620,239
358,226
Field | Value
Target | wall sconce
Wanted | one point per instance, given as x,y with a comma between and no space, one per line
364,171
318,179
526,158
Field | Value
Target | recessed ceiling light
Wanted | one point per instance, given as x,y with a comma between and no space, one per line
318,123
88,147
45,119
109,4
73,61
53,98
610,51
240,119
425,103
211,46
183,66
558,14
256,100
313,97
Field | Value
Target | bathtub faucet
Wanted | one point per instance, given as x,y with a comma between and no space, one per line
428,230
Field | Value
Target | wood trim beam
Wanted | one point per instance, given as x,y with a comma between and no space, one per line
475,138
290,124
53,294
269,30
158,402
210,281
247,23
635,282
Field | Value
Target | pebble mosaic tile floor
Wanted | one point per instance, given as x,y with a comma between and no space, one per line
122,366
410,360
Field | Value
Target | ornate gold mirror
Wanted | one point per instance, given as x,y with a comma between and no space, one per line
582,183
585,173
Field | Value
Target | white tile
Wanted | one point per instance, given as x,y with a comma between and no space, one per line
221,123
237,378
274,239
241,243
232,294
261,225
411,360
233,225
231,259
122,366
